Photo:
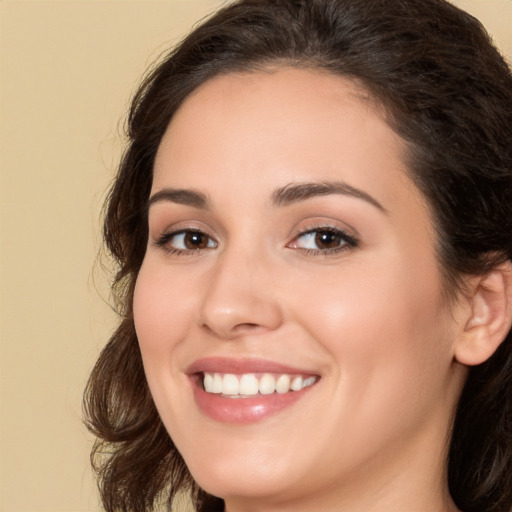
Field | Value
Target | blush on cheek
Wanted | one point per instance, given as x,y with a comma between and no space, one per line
151,313
162,315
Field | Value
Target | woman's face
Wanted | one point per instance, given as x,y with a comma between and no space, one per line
288,248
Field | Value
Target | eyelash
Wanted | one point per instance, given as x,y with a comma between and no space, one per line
347,241
164,240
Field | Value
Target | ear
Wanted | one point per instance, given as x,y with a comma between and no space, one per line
489,315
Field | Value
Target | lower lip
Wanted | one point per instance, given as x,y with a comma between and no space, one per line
244,410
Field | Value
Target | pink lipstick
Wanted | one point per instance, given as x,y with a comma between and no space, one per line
248,390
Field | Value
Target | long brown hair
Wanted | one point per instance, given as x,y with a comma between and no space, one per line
447,92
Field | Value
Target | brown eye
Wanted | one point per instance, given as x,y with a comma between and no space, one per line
324,240
195,240
328,239
186,241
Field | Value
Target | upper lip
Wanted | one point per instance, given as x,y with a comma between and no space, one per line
240,366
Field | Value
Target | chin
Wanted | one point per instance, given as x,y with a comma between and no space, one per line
245,474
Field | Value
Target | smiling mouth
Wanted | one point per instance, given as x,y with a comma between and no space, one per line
249,385
243,391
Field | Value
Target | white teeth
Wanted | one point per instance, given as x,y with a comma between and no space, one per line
208,382
283,384
296,384
217,383
308,382
249,384
267,384
230,384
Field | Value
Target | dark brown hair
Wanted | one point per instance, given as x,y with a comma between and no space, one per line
446,90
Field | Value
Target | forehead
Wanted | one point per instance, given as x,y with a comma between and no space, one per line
269,98
268,128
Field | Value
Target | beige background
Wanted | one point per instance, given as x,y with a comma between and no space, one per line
67,70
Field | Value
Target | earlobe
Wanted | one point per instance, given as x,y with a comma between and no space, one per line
489,316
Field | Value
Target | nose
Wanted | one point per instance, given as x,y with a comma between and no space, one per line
240,297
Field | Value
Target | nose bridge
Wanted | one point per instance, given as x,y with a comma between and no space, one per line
238,297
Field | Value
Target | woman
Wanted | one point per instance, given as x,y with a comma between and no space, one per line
312,223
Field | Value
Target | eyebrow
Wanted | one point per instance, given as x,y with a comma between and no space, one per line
180,196
295,192
283,196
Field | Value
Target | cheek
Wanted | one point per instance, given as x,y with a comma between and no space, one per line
161,309
162,315
389,333
389,341
371,303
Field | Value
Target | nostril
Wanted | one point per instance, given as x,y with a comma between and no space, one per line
248,327
236,330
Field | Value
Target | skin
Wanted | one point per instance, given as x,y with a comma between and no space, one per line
370,320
